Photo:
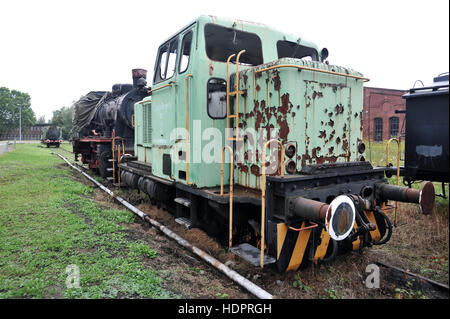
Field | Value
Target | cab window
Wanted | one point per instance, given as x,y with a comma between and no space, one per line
167,58
185,52
217,98
287,49
221,42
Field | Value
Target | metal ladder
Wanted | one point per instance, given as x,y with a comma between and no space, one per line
236,92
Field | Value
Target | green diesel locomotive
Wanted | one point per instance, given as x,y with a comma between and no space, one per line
250,134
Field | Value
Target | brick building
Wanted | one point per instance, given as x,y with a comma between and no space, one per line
380,122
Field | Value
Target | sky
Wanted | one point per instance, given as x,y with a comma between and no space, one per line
57,51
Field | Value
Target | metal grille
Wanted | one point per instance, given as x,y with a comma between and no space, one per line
147,119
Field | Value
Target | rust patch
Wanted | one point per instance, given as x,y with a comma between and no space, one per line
245,77
345,144
211,68
258,88
255,170
285,104
317,94
331,123
276,81
338,140
339,109
322,134
243,168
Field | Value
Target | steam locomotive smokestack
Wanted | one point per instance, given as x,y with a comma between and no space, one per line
138,74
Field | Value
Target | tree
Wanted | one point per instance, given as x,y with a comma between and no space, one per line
11,101
63,119
41,120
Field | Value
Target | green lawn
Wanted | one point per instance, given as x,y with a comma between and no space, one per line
49,222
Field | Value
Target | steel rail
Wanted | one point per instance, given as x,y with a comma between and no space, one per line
233,275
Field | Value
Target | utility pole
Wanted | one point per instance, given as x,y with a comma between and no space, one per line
20,123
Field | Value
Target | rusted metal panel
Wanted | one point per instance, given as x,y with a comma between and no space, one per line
319,112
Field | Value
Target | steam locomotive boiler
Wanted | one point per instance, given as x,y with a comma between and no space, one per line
252,135
103,125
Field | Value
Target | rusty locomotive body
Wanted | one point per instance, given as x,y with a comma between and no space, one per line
250,134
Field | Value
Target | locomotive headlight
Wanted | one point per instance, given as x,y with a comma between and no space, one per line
290,150
291,166
324,54
340,217
361,147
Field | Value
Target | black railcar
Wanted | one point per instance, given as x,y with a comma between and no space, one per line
426,132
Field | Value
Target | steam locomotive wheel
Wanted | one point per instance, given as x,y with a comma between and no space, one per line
103,163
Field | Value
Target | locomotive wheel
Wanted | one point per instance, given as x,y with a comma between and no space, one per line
103,164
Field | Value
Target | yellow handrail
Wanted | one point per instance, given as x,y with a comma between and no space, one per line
162,87
230,240
187,139
312,69
263,193
398,169
228,93
236,92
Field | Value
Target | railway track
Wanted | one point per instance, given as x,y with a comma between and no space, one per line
402,278
391,276
236,277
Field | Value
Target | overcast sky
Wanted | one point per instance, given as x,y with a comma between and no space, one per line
59,50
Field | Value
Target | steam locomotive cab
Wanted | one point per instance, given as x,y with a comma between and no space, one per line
251,135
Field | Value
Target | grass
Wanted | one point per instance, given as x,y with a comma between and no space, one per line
423,240
49,222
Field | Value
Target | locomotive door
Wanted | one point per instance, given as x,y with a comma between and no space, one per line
184,112
165,85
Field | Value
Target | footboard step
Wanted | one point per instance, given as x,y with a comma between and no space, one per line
251,254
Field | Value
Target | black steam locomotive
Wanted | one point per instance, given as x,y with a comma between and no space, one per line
103,125
52,136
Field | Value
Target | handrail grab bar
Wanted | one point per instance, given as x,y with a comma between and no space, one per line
300,67
230,237
398,169
263,192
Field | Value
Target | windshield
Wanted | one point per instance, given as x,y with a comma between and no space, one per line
287,49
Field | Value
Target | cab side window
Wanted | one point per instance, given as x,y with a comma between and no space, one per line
217,98
185,52
167,58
